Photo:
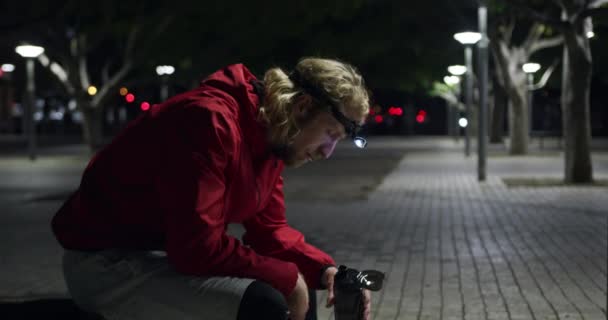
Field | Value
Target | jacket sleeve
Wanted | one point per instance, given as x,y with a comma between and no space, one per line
269,234
191,188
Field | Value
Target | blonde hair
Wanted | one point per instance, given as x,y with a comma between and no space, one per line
338,81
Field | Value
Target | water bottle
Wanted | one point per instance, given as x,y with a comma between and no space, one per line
348,290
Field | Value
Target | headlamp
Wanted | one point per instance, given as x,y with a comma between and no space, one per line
351,127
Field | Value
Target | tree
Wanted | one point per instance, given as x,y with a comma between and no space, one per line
92,44
576,84
497,111
122,35
574,23
509,58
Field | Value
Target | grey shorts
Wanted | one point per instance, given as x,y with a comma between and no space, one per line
142,285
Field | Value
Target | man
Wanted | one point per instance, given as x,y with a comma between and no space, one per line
145,233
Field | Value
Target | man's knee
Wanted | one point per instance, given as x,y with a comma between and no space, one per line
262,301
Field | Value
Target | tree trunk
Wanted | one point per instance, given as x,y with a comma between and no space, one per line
508,66
518,121
576,84
498,114
92,126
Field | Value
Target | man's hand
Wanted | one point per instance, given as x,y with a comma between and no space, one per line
367,302
297,301
328,280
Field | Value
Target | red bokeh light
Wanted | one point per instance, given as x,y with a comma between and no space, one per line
145,106
130,97
379,119
395,111
372,112
421,116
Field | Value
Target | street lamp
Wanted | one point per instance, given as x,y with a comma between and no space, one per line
164,71
7,67
456,71
530,69
30,52
482,50
451,80
468,39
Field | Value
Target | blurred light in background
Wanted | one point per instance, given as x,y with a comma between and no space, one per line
92,90
468,37
72,105
457,70
145,106
123,91
130,97
56,115
462,122
29,51
7,67
590,34
378,119
451,80
162,70
395,111
530,67
421,116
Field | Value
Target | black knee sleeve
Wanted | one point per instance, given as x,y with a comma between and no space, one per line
262,301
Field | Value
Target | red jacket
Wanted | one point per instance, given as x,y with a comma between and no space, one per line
178,175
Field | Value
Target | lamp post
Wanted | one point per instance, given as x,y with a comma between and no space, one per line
468,39
530,68
482,46
164,72
456,71
30,52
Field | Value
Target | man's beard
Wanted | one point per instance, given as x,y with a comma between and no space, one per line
286,153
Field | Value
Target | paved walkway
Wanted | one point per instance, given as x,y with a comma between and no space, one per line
457,249
452,248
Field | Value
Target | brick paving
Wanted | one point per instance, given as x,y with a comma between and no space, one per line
457,249
452,248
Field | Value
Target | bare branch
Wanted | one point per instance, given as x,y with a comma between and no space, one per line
111,83
593,12
545,77
538,16
545,43
534,34
74,47
498,66
508,34
83,71
131,39
105,72
163,25
59,72
598,3
504,50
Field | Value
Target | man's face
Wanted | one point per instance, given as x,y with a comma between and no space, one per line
317,139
